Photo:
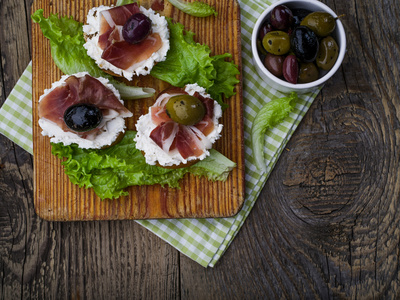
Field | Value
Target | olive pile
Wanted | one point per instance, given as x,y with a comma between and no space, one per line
295,44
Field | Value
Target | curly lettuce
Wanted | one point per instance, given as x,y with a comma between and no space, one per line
124,2
109,171
190,62
268,116
196,8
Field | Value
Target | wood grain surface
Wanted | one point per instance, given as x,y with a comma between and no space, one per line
326,225
57,199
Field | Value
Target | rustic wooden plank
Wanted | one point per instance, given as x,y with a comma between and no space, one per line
16,200
326,224
302,239
57,199
107,259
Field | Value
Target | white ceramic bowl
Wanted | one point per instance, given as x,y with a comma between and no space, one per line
282,85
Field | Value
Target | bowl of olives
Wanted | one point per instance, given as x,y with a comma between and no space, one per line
297,45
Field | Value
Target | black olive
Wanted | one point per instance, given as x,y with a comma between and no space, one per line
304,43
136,28
299,14
82,117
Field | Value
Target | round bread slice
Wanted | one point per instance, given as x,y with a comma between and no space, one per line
83,89
169,144
94,50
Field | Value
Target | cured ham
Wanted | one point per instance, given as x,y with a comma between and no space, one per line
190,140
126,40
159,115
74,90
82,110
126,56
116,16
188,143
206,126
164,135
116,50
157,5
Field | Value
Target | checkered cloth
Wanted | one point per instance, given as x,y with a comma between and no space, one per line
203,240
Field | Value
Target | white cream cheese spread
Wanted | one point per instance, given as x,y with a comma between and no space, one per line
153,153
112,126
159,25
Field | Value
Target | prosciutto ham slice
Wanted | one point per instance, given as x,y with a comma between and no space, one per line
126,56
116,16
116,50
74,90
170,136
164,135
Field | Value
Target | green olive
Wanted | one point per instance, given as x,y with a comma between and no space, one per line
327,54
260,48
308,72
322,23
276,42
185,109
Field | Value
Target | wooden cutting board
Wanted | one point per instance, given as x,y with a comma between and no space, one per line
57,199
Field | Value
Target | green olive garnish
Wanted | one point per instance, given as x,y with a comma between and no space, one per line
185,109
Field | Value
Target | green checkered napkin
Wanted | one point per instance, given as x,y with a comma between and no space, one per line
203,240
16,112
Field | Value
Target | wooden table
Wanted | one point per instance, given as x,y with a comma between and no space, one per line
325,226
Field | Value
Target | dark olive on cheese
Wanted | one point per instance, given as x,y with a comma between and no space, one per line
82,117
136,28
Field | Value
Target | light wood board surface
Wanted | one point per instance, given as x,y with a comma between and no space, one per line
56,198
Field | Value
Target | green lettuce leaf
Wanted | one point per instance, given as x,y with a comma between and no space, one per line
215,167
196,8
225,81
268,116
109,171
190,62
124,2
66,42
186,62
